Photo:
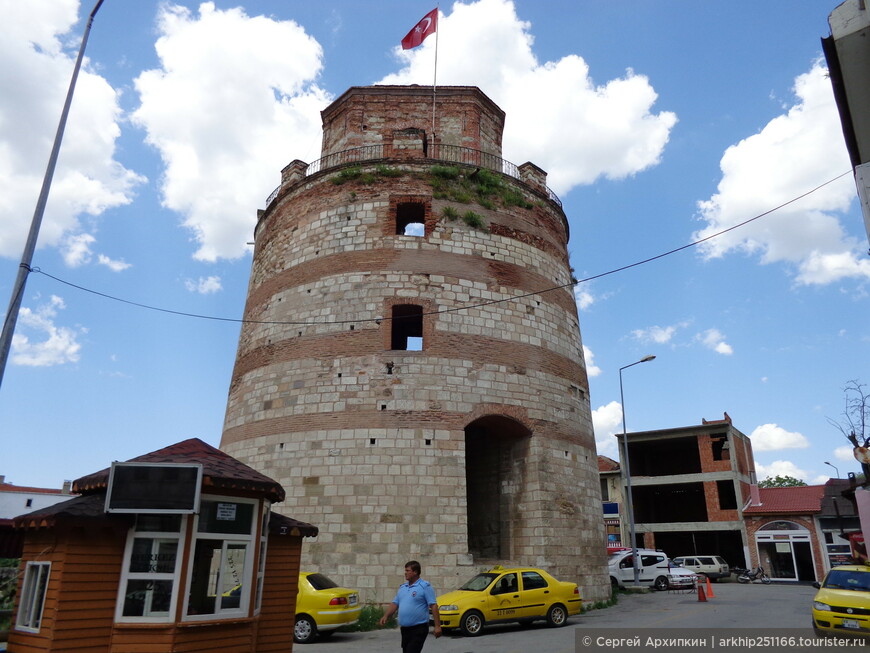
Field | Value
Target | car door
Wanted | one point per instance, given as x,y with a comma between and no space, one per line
503,602
652,565
537,596
626,570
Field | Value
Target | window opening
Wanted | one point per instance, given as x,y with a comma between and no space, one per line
727,495
720,447
150,571
33,592
221,564
407,325
410,219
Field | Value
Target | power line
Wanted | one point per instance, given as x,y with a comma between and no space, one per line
456,308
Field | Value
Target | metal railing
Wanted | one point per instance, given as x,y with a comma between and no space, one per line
439,152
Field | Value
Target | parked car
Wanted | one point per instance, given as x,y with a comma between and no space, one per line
518,594
842,604
322,606
655,570
713,567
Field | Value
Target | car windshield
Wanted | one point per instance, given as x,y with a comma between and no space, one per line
479,582
842,579
321,582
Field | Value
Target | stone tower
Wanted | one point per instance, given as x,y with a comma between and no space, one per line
411,369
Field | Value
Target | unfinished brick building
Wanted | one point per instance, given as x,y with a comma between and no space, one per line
411,370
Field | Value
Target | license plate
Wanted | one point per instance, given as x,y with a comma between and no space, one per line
850,623
353,599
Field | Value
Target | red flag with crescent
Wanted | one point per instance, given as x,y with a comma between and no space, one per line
427,25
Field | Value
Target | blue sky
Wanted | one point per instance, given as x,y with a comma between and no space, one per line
659,123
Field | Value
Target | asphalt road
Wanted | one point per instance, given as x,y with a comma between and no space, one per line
734,606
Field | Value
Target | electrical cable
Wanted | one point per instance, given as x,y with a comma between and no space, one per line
454,309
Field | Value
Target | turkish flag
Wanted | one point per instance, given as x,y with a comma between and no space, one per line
424,28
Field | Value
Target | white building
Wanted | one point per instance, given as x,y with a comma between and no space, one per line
17,500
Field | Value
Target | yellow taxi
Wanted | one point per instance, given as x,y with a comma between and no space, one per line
500,595
322,606
842,604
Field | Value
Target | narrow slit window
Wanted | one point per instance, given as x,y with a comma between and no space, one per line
410,219
407,324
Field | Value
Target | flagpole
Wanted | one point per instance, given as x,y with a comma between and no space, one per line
435,80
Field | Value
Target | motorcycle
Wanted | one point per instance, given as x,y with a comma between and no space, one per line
747,576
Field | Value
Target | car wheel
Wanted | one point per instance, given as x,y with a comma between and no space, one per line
305,630
471,623
613,582
661,584
557,616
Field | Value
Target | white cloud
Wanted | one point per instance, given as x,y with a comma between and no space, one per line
583,297
112,264
770,437
205,285
59,345
845,453
791,155
591,368
77,249
234,97
560,118
713,339
38,52
656,334
780,468
606,420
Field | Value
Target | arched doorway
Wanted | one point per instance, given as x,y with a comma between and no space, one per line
496,448
785,551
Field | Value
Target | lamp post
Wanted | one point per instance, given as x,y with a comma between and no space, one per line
36,222
627,471
835,468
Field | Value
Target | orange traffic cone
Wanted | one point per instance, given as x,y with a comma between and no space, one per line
702,598
710,589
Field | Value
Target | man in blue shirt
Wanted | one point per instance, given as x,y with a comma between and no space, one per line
413,601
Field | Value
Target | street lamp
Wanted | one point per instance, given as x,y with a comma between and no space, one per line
627,471
835,468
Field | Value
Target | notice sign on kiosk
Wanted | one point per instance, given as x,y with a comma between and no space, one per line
154,488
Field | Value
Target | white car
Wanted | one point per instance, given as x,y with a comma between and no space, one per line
655,570
713,567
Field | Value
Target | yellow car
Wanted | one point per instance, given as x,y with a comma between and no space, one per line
842,604
322,606
499,595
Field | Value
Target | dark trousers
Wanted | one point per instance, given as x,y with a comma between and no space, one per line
413,638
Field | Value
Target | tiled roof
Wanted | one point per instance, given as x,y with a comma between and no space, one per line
606,464
788,500
91,506
9,487
219,470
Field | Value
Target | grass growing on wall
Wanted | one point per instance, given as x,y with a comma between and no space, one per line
481,186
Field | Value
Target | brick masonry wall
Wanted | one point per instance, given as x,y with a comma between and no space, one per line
368,442
754,524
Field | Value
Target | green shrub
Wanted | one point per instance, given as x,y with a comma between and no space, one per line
445,172
387,171
368,620
449,213
473,220
348,174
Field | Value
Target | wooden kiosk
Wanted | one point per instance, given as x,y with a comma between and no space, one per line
176,550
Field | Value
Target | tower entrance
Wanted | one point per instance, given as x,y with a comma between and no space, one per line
496,448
